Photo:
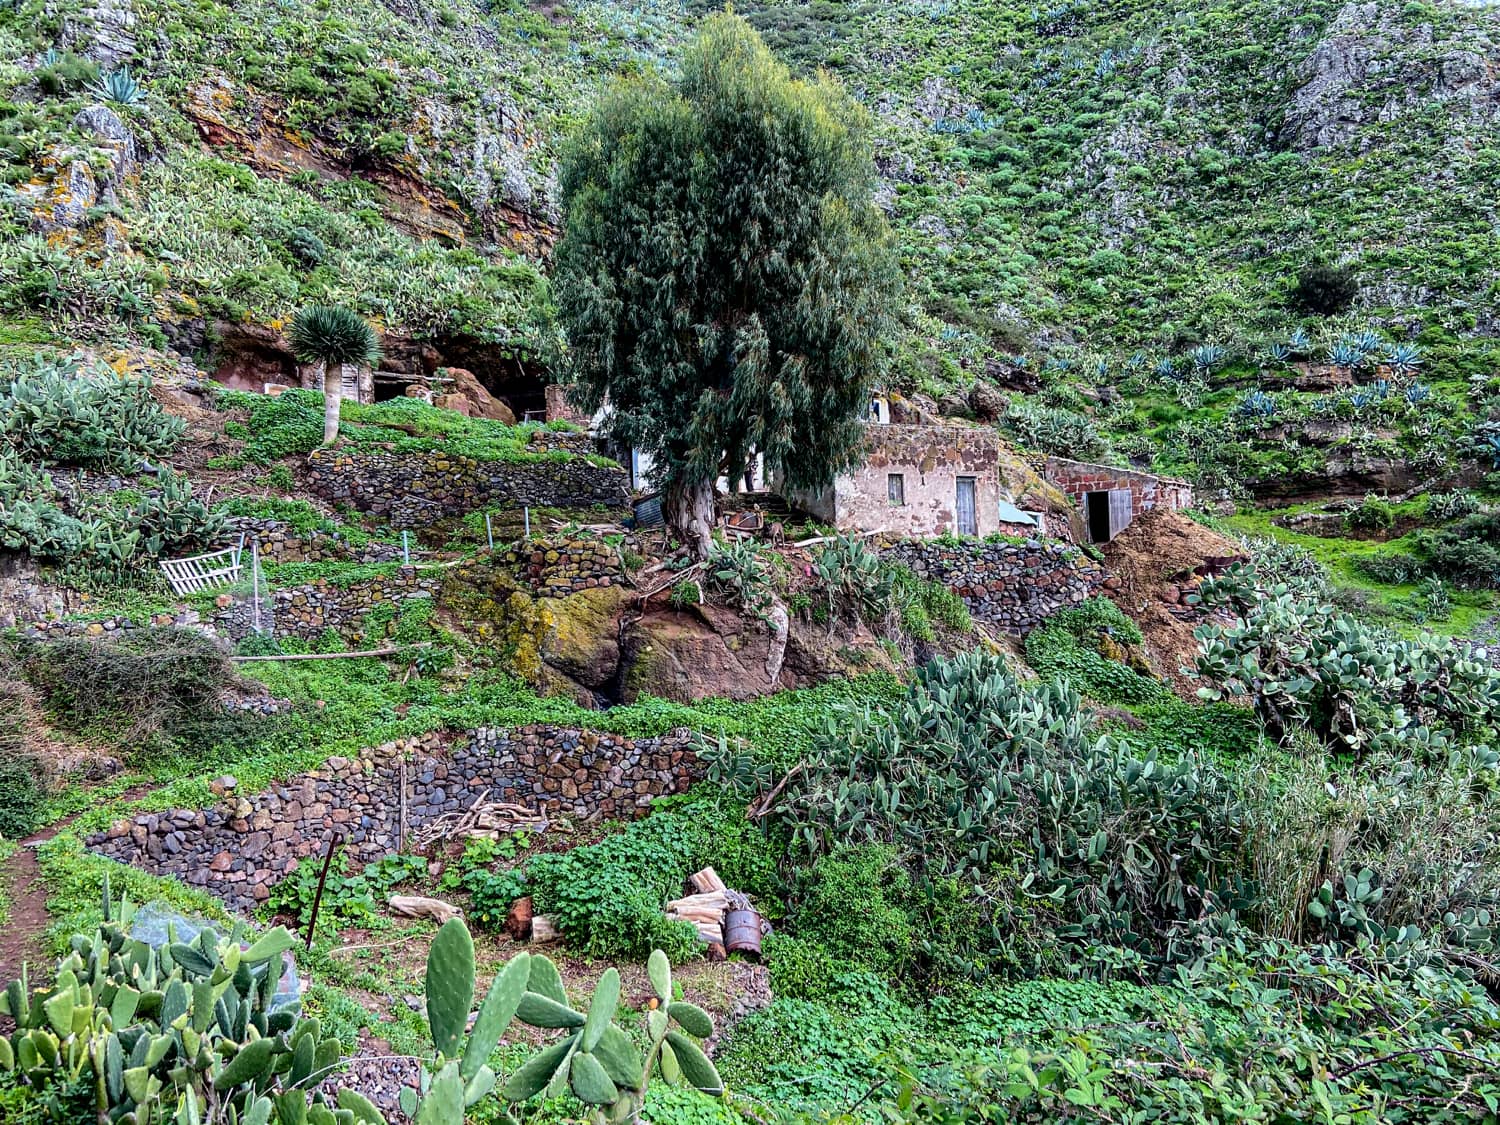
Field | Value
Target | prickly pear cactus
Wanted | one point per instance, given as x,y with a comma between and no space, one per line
180,1033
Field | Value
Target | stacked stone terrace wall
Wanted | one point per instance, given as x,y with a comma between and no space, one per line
414,489
558,567
306,611
1012,586
242,846
282,543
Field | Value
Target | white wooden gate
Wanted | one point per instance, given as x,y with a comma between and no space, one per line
204,572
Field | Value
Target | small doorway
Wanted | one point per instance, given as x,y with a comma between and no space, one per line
968,523
1108,513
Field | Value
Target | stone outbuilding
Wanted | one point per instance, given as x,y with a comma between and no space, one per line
1109,498
924,480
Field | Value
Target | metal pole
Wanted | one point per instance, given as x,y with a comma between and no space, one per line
489,531
255,585
334,839
527,510
405,551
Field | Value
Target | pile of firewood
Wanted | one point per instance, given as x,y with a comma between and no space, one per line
707,906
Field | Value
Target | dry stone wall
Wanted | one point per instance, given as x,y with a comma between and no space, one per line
414,489
557,568
282,543
242,846
306,611
1012,586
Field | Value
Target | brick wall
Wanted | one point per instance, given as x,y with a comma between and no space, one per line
1079,478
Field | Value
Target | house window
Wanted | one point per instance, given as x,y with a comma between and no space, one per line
895,489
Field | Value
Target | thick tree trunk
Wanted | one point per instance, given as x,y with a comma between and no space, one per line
688,509
333,391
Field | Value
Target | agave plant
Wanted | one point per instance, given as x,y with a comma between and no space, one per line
119,87
1492,447
1136,362
1366,341
1417,393
1164,368
1101,371
1207,358
1255,406
1345,354
1403,359
1277,353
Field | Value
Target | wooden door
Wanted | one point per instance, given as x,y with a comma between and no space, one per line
1121,510
968,524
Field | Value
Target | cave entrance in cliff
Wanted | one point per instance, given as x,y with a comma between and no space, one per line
522,384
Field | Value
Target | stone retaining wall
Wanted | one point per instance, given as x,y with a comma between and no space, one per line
282,543
306,611
1013,586
414,489
556,568
243,845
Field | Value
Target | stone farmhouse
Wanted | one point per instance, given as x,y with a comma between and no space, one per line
1109,498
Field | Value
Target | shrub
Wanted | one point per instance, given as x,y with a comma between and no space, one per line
853,904
1086,646
22,796
1394,568
1467,552
607,898
140,687
1373,513
71,413
1324,289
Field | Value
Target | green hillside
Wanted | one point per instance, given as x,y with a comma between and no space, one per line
1072,177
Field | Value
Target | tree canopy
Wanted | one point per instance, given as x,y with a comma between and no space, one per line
724,276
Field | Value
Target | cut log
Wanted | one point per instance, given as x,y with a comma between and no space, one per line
707,881
543,929
414,906
713,900
518,920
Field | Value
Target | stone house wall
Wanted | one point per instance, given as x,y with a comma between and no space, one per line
1011,586
414,489
929,460
1079,478
239,848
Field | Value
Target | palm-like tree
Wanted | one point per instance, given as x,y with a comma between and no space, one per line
332,337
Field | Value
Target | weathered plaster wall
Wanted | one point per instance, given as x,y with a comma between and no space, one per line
930,459
241,847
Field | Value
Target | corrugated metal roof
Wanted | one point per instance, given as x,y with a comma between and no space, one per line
1009,513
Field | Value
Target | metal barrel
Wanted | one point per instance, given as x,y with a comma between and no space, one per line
742,931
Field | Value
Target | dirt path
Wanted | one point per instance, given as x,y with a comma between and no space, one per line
21,938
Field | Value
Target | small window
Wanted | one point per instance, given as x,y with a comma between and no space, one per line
895,486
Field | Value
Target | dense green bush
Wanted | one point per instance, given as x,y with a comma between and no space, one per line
1324,289
1467,552
22,795
1087,647
70,412
1069,838
854,903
